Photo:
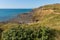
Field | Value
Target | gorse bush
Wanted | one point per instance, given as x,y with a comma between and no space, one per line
26,33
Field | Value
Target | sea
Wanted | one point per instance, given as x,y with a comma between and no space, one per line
6,14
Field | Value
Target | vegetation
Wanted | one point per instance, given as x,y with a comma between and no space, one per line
28,33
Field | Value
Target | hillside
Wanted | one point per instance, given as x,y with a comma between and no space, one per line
48,15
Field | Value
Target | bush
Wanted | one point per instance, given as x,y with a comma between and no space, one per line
1,32
21,33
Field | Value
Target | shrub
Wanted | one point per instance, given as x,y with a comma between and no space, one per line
21,33
1,32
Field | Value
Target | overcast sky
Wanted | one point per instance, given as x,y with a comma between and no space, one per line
25,3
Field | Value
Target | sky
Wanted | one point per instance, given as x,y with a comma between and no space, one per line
25,3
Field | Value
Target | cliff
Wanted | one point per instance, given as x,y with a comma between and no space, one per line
38,14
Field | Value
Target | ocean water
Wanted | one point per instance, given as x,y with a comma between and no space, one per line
6,14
